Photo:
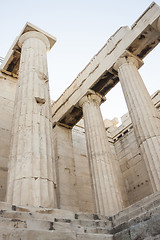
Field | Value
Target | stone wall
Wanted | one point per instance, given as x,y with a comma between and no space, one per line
7,95
84,188
66,182
131,171
132,166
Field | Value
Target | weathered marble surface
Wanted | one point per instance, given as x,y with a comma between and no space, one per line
7,96
32,123
144,115
66,180
98,75
105,187
30,177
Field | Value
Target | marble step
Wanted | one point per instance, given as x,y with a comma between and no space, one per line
17,222
53,218
94,237
25,234
89,216
148,230
48,219
35,224
88,223
57,213
33,215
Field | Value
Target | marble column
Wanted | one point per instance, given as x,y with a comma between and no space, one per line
144,116
30,177
105,189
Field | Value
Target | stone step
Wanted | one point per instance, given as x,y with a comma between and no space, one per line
88,223
148,230
25,234
153,238
53,218
79,228
12,223
57,213
22,222
96,230
90,226
94,237
136,220
34,224
28,215
90,216
137,209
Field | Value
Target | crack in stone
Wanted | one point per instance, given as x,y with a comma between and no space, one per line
113,48
35,178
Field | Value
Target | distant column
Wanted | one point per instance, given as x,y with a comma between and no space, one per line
30,180
145,118
106,193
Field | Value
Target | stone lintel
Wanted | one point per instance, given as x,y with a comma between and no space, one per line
10,64
70,119
100,75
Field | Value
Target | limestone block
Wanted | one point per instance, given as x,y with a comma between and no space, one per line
94,237
131,165
7,95
125,235
65,169
84,188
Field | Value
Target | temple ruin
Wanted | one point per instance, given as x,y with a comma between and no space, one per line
65,173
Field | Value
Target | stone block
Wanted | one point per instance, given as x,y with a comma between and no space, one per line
123,235
91,236
154,225
139,231
39,235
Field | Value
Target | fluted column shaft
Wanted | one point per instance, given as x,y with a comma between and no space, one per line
144,116
30,177
106,193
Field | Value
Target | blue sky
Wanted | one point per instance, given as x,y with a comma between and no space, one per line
81,27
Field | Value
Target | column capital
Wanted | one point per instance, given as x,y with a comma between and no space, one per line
126,58
34,34
92,96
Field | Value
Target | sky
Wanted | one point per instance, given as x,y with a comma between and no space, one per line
81,27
